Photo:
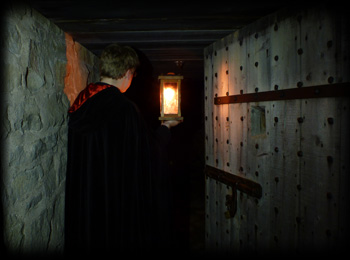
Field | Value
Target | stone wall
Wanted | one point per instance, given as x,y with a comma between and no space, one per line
34,108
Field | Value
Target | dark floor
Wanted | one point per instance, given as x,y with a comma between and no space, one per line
189,215
188,186
197,214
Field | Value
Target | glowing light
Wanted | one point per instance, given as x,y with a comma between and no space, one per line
170,97
169,93
170,100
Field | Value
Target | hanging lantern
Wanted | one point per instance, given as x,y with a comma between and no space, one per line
170,97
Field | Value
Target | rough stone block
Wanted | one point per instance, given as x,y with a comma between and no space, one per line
34,129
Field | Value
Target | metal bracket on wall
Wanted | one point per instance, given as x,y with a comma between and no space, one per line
236,183
321,91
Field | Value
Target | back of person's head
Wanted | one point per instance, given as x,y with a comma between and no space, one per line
116,60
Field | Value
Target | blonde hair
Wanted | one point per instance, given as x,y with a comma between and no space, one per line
116,60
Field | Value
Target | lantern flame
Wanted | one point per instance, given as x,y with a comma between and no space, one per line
170,100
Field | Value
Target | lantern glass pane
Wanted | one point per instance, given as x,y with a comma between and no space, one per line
170,98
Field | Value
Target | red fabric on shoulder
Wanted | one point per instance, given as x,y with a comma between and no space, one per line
91,90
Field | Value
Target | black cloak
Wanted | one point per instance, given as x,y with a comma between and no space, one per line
117,188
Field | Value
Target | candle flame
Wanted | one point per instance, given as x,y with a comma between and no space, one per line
170,100
169,93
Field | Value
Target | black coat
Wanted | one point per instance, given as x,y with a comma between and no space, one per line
117,188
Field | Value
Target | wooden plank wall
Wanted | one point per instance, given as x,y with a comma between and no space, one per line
297,150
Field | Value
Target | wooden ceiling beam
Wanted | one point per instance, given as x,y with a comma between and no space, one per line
104,9
194,37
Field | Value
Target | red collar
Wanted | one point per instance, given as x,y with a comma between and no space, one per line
91,90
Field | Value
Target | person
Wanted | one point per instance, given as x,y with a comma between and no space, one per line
116,184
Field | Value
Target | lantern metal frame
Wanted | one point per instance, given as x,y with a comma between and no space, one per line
163,81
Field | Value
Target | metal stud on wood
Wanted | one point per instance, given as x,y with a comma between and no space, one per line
288,66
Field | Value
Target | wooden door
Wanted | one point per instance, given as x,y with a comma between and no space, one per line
277,135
